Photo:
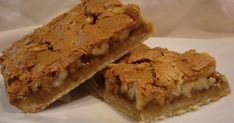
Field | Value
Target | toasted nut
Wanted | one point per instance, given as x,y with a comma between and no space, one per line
200,84
61,77
212,80
38,49
117,10
100,49
90,19
121,36
35,87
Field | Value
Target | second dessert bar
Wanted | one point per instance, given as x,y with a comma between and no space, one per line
152,84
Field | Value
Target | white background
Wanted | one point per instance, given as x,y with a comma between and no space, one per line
208,26
173,18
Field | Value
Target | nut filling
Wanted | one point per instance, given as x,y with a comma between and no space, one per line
100,49
159,76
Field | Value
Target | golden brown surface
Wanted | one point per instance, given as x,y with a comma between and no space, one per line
57,57
156,74
156,83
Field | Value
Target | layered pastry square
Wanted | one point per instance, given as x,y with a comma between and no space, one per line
151,84
57,57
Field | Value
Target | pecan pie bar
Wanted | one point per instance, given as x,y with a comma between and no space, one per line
57,57
156,83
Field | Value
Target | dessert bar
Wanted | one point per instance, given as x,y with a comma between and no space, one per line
57,57
157,83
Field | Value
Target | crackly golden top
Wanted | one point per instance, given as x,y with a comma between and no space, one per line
155,74
62,43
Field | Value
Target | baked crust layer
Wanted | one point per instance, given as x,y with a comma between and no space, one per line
157,83
59,56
